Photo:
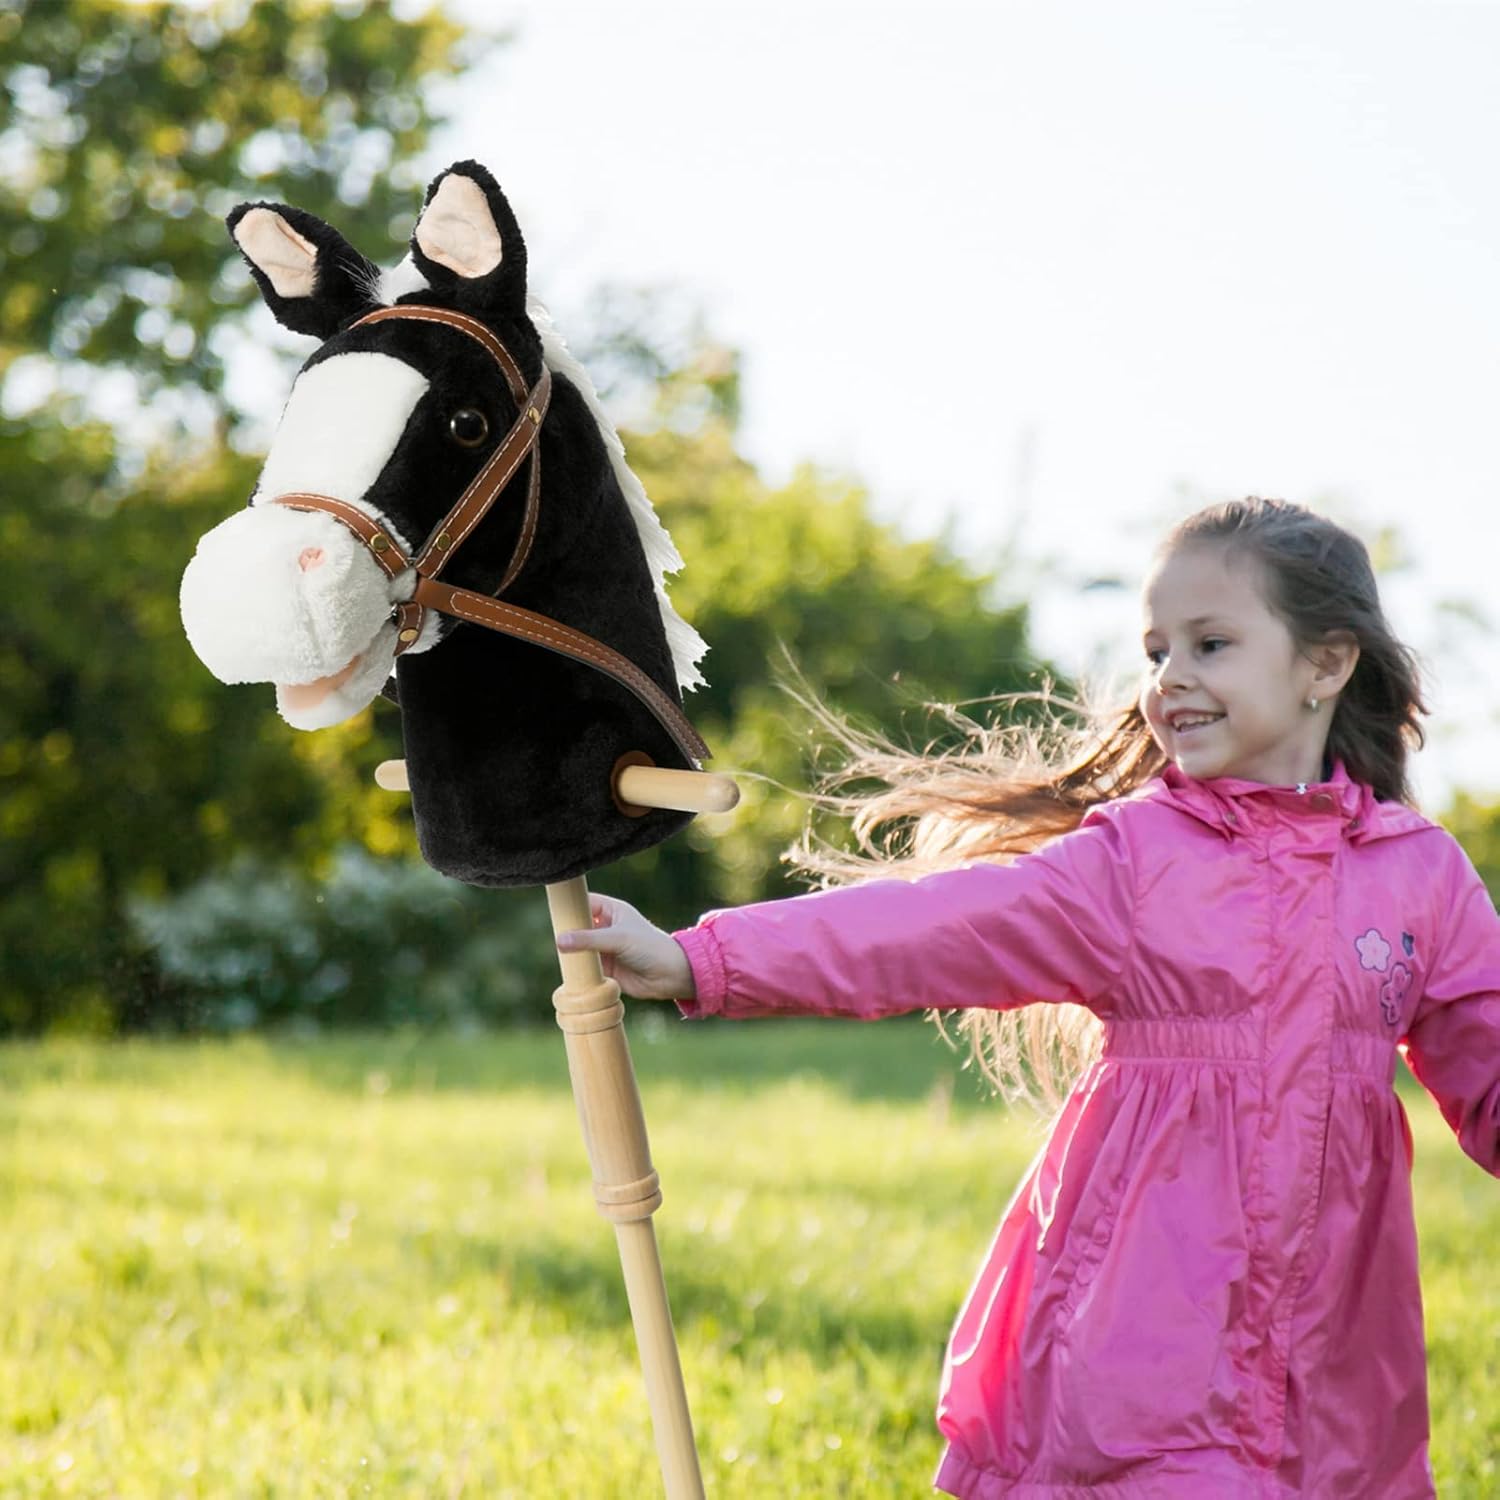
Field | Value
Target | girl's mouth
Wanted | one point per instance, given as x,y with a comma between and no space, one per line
1186,724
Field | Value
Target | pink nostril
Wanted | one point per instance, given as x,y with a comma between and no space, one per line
310,558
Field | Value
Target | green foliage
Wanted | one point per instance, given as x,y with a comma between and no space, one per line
126,131
127,775
123,766
369,943
799,580
1476,825
129,130
373,1266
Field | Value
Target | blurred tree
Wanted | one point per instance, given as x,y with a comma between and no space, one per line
1476,825
126,773
126,131
801,578
874,624
124,767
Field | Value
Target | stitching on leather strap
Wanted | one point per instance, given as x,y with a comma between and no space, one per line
511,620
391,559
475,502
418,312
484,489
528,528
408,613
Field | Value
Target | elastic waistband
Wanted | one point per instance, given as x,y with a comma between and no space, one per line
1237,1042
1364,1055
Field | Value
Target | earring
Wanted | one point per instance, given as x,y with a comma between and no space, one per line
1313,704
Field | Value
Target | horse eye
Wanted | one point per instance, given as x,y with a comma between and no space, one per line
469,427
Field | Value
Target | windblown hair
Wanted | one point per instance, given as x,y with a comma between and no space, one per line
1033,771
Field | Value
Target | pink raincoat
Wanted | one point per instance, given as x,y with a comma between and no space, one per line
1206,1285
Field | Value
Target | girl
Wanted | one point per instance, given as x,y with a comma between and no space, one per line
1207,1284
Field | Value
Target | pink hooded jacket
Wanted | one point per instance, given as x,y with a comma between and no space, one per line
1206,1285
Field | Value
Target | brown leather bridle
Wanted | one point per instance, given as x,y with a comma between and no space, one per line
470,508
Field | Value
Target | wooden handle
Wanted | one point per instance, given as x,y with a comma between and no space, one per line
626,1187
390,776
644,786
683,791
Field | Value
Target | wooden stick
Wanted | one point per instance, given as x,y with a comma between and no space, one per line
683,791
644,786
626,1187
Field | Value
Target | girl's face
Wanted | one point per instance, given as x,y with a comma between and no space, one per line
1227,689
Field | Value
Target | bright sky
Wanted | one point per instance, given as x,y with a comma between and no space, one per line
1059,273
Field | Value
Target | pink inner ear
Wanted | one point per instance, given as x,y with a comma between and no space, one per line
289,261
457,230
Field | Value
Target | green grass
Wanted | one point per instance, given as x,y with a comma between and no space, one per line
372,1266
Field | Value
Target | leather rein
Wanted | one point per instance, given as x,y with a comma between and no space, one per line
430,593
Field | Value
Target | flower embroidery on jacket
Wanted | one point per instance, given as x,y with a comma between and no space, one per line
1374,951
1393,994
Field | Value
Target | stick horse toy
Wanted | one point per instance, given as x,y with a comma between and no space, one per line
445,507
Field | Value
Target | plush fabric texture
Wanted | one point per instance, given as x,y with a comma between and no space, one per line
510,748
254,615
341,275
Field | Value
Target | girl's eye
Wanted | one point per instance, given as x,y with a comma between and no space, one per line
1156,656
469,427
1213,642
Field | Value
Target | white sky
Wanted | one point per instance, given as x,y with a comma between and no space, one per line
1060,272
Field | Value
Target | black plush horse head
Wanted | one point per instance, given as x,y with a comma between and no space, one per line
439,448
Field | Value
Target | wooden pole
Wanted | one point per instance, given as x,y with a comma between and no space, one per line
626,1187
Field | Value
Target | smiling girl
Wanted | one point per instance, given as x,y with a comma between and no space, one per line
1222,906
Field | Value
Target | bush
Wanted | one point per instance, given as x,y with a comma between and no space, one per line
376,942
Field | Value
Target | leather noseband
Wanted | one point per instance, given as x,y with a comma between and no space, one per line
519,444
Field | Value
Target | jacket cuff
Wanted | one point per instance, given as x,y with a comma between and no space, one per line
706,959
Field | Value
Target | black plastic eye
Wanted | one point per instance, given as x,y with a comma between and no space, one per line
469,427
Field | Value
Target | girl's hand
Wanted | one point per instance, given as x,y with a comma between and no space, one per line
642,959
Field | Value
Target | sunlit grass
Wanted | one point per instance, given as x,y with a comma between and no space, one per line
372,1266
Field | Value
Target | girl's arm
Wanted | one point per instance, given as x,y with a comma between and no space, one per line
1453,1043
1054,926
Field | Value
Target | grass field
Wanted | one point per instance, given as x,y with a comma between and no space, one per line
372,1266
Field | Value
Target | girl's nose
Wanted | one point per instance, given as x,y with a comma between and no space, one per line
1168,676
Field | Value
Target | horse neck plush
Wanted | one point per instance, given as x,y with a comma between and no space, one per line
442,447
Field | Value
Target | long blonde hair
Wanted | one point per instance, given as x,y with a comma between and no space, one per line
1033,770
1025,774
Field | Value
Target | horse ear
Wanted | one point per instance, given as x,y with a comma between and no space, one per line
311,277
467,241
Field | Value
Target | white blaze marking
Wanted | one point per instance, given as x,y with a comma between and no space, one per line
341,424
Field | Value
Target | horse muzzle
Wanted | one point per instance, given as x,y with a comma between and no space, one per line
293,598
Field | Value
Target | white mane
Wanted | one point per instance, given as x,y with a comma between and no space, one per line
686,645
